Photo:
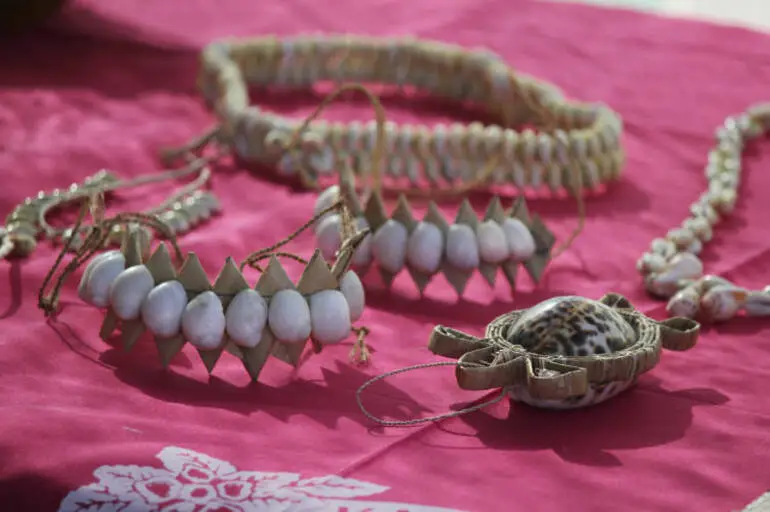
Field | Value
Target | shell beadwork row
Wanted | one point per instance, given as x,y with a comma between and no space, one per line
500,240
586,138
177,307
23,224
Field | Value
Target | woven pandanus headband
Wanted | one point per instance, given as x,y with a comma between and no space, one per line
568,138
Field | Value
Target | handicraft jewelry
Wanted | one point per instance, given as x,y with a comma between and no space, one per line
571,352
177,304
182,210
672,269
582,138
564,353
577,147
503,239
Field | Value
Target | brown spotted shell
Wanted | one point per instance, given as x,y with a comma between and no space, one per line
571,326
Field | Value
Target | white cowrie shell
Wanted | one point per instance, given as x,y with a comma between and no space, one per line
681,237
363,255
665,248
329,316
129,290
521,243
389,246
665,288
203,321
700,226
246,318
493,245
101,277
462,251
682,266
709,281
424,248
684,303
757,304
353,290
329,236
83,286
163,308
650,263
325,199
289,316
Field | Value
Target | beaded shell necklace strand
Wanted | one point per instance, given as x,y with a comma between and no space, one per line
187,206
672,270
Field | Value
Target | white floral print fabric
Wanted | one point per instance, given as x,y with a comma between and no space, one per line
195,482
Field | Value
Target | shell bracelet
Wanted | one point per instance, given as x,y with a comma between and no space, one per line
186,207
178,304
573,135
503,239
564,353
672,269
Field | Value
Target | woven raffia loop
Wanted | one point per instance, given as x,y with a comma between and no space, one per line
574,141
492,361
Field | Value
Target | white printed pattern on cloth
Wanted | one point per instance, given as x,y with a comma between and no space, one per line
761,504
195,482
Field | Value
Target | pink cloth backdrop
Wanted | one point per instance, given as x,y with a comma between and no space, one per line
88,424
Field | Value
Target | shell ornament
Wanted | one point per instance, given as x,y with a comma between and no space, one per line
144,292
564,353
501,240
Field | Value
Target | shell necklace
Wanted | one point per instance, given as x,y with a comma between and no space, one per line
582,135
187,206
672,270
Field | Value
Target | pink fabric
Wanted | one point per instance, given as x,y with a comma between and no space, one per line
107,89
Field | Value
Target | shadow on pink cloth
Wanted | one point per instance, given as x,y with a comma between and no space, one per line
639,418
32,491
14,286
17,16
75,57
324,400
